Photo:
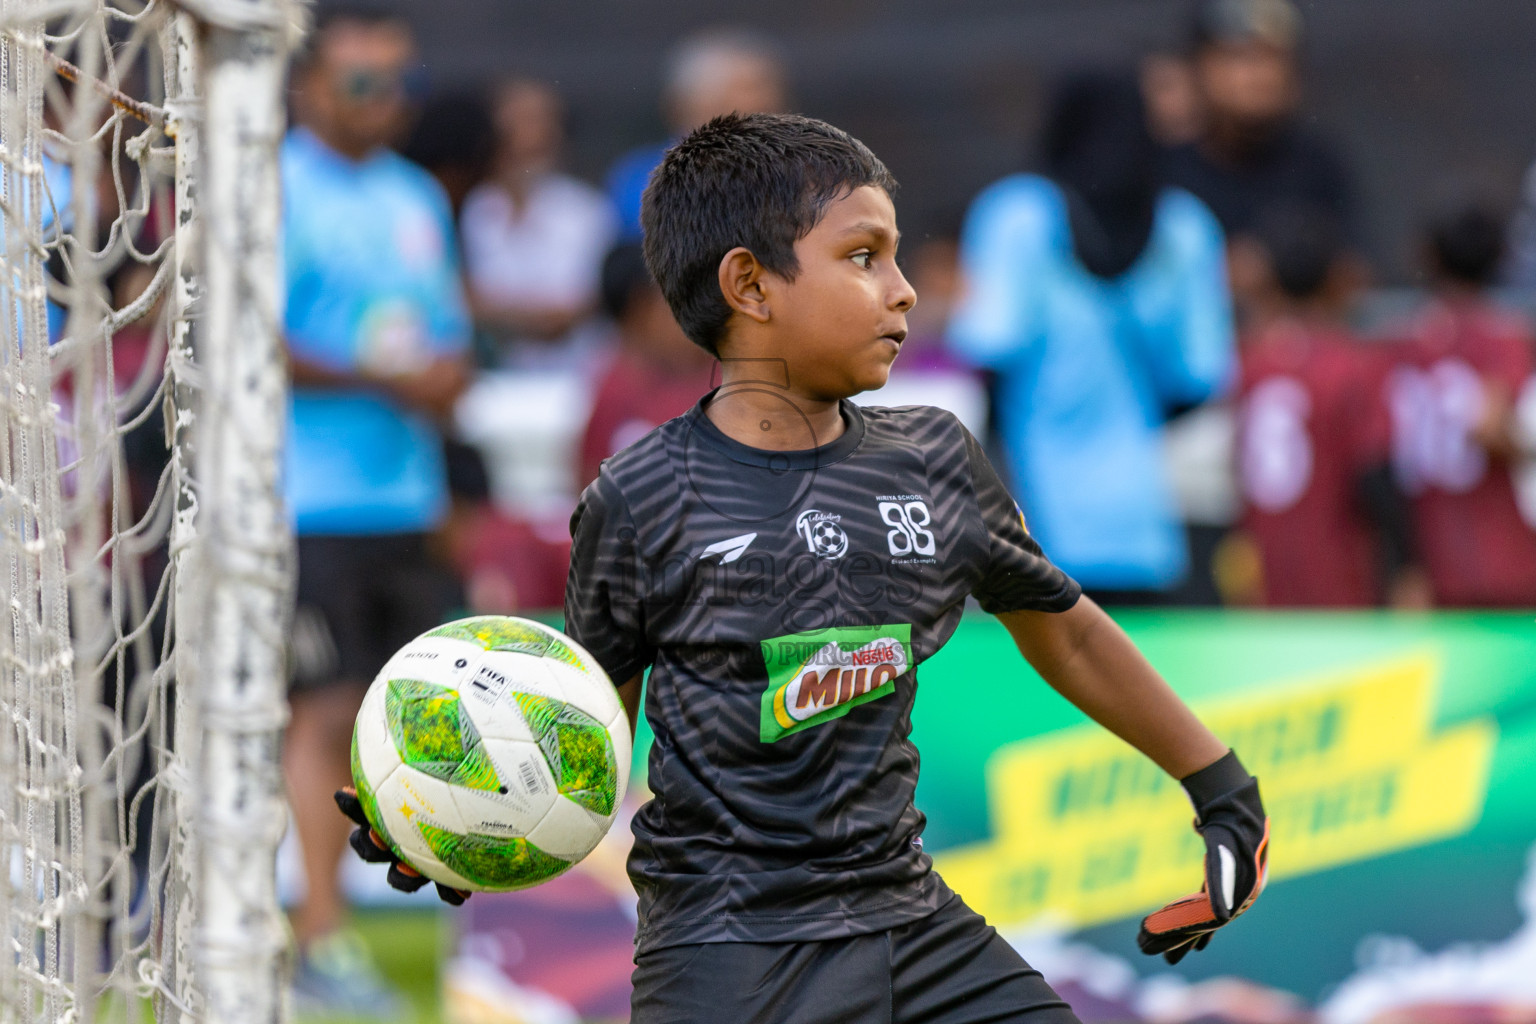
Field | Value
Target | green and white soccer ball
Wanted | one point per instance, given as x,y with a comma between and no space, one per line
491,753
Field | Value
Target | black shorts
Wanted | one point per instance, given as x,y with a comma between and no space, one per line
949,968
360,599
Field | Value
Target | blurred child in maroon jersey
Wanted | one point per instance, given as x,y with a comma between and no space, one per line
1460,366
1312,447
656,374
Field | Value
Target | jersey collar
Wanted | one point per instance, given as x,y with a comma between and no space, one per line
820,457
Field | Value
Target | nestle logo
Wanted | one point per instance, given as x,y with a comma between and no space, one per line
875,655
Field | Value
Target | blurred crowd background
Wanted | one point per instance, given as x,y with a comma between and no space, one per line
1364,183
1237,292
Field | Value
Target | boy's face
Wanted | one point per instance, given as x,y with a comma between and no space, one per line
841,321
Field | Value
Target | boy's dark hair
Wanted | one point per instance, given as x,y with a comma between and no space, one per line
1303,243
760,181
1466,240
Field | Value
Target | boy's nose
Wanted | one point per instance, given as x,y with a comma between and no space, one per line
904,297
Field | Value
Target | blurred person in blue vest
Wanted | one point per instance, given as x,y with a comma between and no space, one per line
712,72
377,332
1098,299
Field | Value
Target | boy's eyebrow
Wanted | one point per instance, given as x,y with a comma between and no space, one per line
867,227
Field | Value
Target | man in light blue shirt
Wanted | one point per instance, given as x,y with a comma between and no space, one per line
377,333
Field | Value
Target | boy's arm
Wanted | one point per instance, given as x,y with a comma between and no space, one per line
629,696
1089,660
1085,656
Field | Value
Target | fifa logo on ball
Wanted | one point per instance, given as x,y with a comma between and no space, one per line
823,537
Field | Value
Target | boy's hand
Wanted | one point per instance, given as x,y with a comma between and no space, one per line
368,844
1230,817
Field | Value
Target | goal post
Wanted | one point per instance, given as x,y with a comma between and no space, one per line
146,550
240,592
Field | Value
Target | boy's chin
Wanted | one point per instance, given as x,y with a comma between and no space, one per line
861,386
871,376
857,382
874,379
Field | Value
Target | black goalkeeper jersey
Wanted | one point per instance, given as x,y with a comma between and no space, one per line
783,601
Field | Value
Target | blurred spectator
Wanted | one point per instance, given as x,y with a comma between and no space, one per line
1520,260
515,558
1251,152
1312,452
1099,299
710,73
454,139
932,264
657,372
1454,431
376,330
509,564
1173,98
534,238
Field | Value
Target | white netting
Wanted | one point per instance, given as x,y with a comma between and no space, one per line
107,819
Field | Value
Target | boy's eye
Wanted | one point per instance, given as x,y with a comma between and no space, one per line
863,259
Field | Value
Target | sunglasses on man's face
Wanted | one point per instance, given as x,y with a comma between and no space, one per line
365,85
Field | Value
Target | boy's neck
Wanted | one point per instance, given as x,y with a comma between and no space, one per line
772,417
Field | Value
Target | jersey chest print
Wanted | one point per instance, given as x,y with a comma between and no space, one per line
773,594
822,674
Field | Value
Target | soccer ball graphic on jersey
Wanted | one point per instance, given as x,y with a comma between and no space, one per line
491,753
822,534
830,540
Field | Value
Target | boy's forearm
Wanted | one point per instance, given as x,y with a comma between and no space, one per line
629,696
1090,661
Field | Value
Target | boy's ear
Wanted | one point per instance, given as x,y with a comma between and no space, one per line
741,282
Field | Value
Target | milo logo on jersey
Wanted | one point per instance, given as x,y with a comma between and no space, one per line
821,675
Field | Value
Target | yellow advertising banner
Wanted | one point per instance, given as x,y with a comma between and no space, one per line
1085,830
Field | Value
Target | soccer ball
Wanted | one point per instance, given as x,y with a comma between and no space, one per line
491,753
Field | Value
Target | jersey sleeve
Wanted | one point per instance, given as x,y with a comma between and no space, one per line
1017,575
604,589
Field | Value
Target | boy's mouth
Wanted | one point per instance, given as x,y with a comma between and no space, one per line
897,336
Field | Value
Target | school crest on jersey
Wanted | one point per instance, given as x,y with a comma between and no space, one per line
910,537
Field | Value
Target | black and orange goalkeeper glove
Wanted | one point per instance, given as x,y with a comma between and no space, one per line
370,846
1230,817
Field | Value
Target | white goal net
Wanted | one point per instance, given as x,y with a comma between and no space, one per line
145,551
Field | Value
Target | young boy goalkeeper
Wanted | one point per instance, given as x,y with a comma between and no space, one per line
782,561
